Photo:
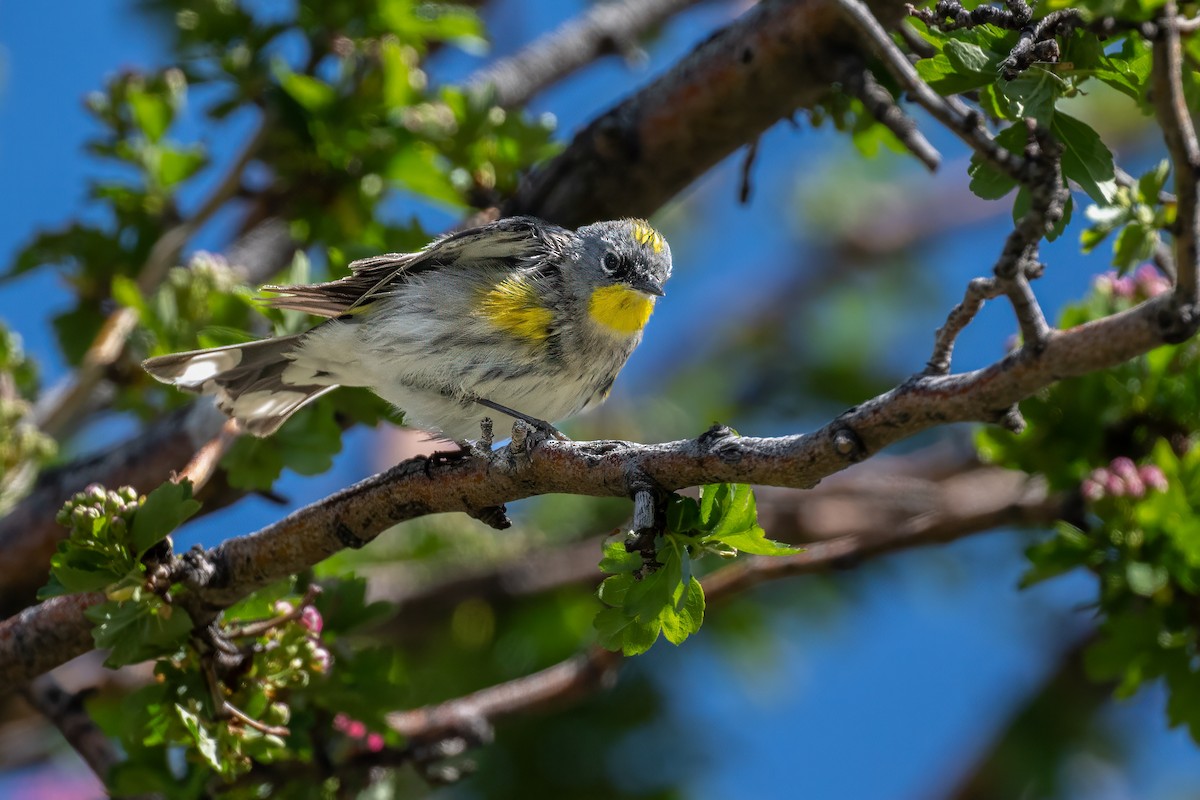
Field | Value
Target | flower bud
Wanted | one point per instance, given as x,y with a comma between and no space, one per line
1153,477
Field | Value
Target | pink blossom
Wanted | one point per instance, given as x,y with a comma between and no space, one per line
1153,477
1114,486
1123,467
283,607
1150,281
375,742
322,661
1134,486
311,619
1092,490
1123,287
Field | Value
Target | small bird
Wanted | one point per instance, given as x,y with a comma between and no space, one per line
516,319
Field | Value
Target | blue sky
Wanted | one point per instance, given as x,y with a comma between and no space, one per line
891,695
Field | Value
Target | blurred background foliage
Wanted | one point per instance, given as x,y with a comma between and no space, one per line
821,289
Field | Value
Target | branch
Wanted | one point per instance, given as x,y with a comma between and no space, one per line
66,712
29,533
596,668
746,77
418,487
1180,136
67,401
930,492
778,57
950,111
610,27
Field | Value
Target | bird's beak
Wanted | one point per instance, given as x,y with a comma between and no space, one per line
648,286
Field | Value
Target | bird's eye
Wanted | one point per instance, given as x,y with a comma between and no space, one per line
612,262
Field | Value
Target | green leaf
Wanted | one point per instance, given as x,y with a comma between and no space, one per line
138,631
619,632
175,165
617,559
1134,244
206,743
311,93
987,181
1033,94
683,617
152,112
1151,184
646,598
754,540
683,514
1085,159
164,510
73,570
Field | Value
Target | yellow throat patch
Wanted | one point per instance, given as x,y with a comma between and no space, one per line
620,308
512,306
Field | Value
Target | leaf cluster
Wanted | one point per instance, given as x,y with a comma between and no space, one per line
664,596
1143,546
111,534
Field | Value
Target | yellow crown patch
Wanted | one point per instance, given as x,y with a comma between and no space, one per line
646,236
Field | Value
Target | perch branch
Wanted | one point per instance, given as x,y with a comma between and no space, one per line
356,515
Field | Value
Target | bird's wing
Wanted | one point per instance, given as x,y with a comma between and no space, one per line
514,242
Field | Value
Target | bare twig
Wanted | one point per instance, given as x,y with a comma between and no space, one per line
950,111
609,27
205,461
857,81
1180,136
979,291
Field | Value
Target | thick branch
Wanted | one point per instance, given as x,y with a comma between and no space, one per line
595,669
354,516
933,494
780,56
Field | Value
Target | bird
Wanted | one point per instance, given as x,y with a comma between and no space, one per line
514,319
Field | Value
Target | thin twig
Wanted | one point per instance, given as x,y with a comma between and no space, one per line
979,291
609,27
951,112
72,398
206,460
1180,136
858,82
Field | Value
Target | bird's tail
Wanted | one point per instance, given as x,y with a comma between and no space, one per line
248,380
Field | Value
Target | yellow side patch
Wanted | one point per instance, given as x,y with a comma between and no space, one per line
646,236
620,308
512,306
